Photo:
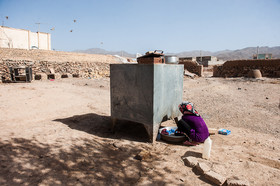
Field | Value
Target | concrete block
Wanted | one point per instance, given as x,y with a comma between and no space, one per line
146,93
76,75
236,182
190,161
214,177
51,76
202,168
41,76
64,76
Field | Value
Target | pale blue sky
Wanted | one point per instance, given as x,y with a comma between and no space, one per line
142,25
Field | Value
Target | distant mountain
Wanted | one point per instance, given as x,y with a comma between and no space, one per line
193,53
245,53
105,52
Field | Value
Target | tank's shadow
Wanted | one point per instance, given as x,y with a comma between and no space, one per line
101,126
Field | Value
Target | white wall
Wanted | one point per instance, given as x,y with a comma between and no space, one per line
33,39
43,38
24,39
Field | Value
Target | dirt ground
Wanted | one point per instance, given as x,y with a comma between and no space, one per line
58,133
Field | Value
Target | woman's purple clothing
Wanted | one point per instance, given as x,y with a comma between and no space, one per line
199,131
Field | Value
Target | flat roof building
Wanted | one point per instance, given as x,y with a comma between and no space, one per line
262,56
203,60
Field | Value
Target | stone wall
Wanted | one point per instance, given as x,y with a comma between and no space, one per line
192,66
54,62
242,68
76,69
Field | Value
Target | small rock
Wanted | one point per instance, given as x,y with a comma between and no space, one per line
214,177
239,89
181,180
190,161
235,182
266,97
117,144
144,154
202,168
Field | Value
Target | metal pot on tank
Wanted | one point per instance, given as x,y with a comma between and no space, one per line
171,59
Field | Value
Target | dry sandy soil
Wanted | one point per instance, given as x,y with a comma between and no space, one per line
58,133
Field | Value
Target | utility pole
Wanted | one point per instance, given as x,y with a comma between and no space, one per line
257,52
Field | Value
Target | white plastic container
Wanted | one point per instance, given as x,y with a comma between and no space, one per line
207,148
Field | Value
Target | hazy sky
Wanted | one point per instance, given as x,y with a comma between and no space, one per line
142,25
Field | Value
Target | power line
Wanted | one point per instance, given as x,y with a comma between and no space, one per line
38,26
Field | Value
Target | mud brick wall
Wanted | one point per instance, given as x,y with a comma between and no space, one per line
241,68
80,69
192,66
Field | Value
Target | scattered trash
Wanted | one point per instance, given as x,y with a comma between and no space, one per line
190,74
212,131
51,79
224,131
